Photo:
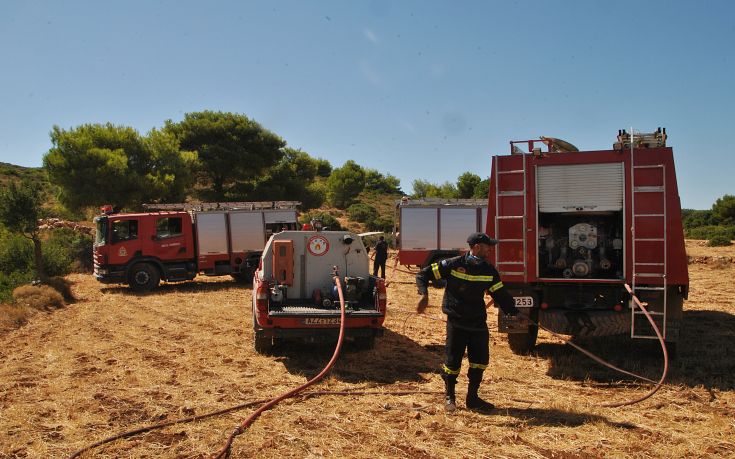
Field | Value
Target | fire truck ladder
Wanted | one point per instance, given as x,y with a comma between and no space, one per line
510,267
650,274
204,206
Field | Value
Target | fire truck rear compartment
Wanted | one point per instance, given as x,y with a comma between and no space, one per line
580,245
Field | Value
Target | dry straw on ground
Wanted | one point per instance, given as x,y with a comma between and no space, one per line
114,361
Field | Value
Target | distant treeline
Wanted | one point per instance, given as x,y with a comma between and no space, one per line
211,156
716,225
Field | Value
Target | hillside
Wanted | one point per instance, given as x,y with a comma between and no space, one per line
115,361
12,172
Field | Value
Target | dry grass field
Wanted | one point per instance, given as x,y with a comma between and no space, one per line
114,361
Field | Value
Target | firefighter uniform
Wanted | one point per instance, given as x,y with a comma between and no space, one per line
468,277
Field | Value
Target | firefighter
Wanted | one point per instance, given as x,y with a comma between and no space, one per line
381,256
468,277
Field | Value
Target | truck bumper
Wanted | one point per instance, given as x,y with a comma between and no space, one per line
107,275
319,335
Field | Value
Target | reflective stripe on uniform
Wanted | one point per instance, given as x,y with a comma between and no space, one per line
478,365
495,287
470,277
435,269
449,371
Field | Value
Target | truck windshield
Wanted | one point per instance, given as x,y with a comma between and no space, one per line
100,237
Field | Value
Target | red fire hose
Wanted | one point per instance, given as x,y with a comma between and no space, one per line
225,450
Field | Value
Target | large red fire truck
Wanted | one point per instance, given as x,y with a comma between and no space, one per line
175,242
295,295
576,226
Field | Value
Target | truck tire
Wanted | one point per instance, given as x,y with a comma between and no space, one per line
523,343
143,277
263,344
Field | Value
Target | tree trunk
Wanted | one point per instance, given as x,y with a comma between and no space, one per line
38,258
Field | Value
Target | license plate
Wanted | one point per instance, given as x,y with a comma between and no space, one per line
321,321
524,301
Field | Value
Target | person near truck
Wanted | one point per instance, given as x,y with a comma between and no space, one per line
468,277
381,256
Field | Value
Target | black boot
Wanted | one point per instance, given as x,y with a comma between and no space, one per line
473,401
450,403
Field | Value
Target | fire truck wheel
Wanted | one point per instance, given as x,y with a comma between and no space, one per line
263,344
143,277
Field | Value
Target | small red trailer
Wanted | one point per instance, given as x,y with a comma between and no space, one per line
576,226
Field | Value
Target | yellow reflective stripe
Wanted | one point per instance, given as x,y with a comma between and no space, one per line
449,371
435,269
478,365
497,286
470,277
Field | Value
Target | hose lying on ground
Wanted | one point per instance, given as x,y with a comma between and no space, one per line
267,404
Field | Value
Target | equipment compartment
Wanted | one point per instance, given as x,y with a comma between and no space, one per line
580,245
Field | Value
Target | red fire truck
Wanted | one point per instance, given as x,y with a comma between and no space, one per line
175,242
576,226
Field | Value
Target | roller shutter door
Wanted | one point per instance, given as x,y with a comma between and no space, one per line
580,187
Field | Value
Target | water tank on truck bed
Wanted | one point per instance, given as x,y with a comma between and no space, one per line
295,295
576,226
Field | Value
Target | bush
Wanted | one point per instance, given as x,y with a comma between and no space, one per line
40,297
383,224
8,281
719,241
362,212
16,254
709,232
56,259
77,246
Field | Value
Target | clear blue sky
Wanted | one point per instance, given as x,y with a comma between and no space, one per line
418,89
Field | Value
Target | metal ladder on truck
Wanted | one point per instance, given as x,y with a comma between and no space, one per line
510,267
649,275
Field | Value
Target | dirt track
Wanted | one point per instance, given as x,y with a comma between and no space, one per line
115,361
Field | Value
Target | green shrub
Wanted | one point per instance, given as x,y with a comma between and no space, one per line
56,259
711,231
719,241
383,224
16,254
78,246
362,212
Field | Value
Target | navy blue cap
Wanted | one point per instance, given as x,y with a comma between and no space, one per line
480,238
